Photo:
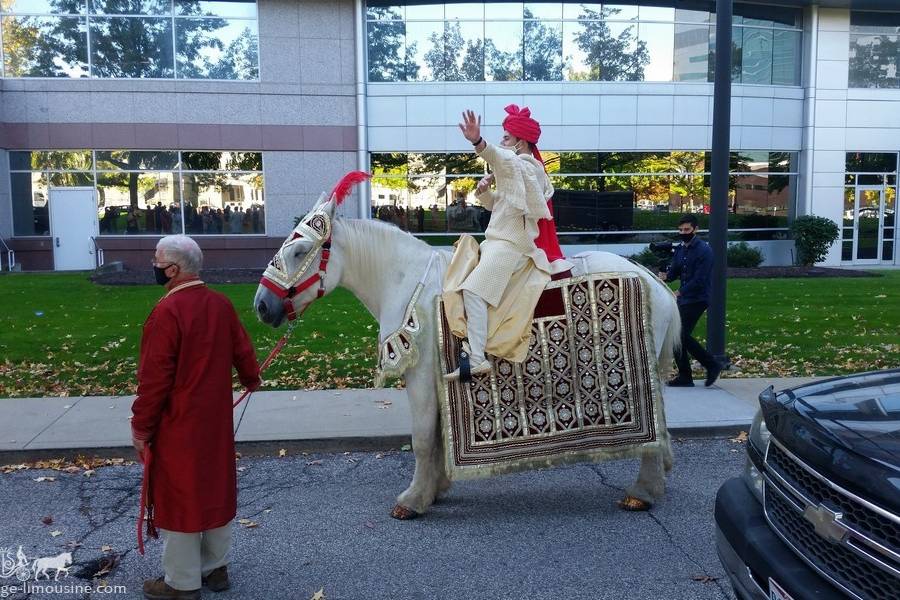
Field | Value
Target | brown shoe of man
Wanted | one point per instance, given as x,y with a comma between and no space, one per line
217,580
158,589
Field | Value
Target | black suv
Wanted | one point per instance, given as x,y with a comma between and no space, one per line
816,513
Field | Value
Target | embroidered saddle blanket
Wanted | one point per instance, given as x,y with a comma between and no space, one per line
588,389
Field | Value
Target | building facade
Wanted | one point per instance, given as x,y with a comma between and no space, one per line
123,121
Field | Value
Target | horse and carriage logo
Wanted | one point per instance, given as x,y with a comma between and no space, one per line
15,564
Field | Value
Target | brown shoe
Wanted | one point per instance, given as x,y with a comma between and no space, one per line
158,589
217,580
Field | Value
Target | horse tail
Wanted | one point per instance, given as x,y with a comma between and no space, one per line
672,340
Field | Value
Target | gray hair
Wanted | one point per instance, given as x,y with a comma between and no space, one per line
183,251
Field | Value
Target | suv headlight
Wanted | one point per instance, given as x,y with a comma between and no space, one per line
759,439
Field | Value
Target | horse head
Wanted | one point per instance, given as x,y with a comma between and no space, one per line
303,269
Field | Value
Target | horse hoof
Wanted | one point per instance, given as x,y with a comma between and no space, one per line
632,504
401,513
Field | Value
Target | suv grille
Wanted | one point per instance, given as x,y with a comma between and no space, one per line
856,564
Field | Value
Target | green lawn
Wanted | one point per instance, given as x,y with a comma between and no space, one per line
85,339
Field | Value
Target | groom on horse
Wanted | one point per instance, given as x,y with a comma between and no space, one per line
501,282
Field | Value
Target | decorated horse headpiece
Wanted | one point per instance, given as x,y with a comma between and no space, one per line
315,227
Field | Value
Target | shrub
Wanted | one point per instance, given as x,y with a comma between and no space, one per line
647,258
743,255
813,237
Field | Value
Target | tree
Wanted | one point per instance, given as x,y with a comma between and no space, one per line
45,46
239,61
446,48
873,61
542,50
388,59
609,57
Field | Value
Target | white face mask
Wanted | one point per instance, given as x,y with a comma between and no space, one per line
515,147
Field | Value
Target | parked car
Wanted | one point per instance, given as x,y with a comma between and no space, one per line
816,512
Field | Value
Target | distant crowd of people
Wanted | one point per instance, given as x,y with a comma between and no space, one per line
459,216
168,219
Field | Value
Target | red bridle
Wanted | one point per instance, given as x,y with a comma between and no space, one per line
287,294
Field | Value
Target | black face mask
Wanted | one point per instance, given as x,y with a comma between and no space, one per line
161,277
686,237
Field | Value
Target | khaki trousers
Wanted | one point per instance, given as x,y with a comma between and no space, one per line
188,556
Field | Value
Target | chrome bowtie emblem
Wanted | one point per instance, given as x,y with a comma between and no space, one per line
827,523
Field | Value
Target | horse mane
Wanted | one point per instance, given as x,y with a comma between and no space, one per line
368,241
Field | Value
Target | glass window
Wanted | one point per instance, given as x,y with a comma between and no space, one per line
543,10
577,67
874,61
387,52
44,46
71,179
656,13
135,160
659,40
620,12
223,203
139,203
375,12
130,7
503,10
581,10
131,39
134,47
465,164
57,160
543,51
786,57
215,48
692,16
29,203
464,51
871,162
691,52
503,51
425,47
737,41
224,8
756,56
425,12
464,10
44,7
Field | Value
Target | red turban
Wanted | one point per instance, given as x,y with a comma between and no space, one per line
519,123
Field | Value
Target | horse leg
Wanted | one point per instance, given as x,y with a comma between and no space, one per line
651,481
421,493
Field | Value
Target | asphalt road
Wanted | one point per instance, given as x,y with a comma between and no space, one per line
323,523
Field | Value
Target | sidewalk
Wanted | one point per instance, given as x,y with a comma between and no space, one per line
326,420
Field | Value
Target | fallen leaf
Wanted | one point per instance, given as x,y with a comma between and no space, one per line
320,595
42,479
282,453
48,520
247,523
379,455
56,533
405,448
106,548
89,473
741,438
313,463
704,578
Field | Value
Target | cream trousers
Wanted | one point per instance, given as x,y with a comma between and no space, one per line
189,556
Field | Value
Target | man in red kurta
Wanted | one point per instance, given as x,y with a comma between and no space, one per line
182,421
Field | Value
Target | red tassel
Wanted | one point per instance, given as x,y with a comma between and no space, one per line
342,189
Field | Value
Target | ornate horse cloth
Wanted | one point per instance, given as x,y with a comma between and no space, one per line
588,389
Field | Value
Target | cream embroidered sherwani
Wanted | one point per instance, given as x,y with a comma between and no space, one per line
516,205
511,271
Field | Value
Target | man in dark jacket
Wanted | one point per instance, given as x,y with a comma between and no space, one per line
693,264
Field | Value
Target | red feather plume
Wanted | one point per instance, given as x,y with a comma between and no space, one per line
342,189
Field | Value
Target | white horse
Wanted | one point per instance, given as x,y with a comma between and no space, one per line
382,266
